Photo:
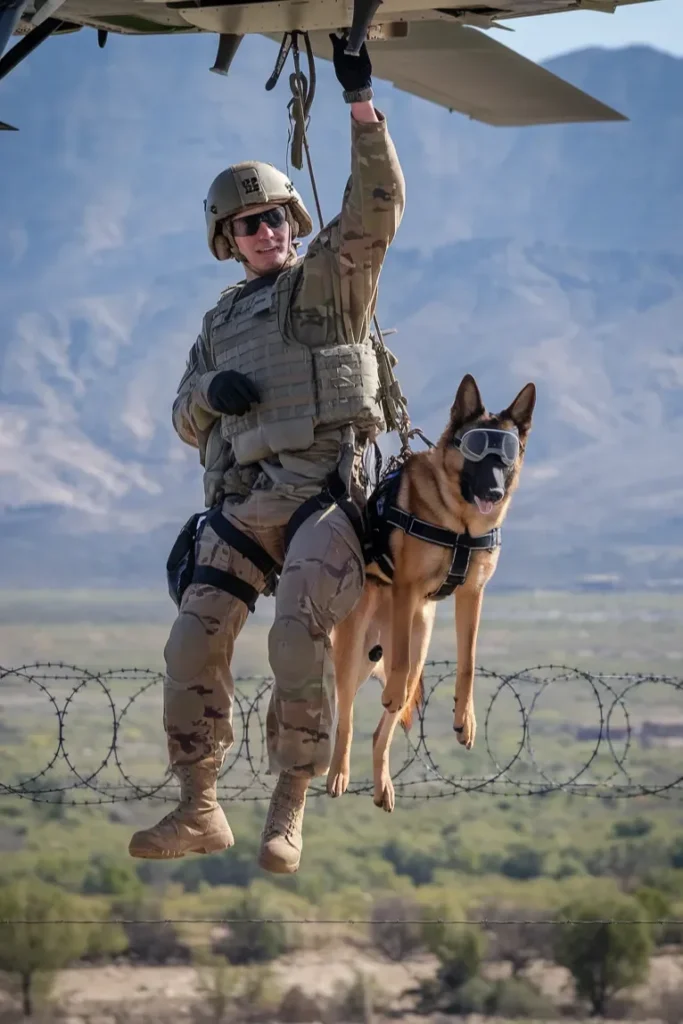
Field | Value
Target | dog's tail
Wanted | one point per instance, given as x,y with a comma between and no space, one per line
416,703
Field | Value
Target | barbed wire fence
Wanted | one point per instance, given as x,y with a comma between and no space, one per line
599,748
603,747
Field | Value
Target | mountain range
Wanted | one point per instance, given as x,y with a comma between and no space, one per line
552,254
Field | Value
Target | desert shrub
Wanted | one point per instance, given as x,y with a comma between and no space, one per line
523,862
251,940
656,906
150,939
299,1008
393,929
604,957
417,864
111,877
32,953
517,944
517,997
631,828
354,1003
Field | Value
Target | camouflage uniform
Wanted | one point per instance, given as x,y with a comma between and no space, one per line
323,571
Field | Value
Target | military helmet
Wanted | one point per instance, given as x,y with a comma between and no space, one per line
251,183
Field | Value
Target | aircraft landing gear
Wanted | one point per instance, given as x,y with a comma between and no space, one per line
228,46
363,13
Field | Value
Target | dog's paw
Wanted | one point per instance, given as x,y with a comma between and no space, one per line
384,795
465,726
338,781
394,697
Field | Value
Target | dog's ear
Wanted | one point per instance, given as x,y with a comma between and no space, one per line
521,409
468,404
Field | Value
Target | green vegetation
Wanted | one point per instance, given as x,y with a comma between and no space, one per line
248,941
34,952
603,958
495,855
638,632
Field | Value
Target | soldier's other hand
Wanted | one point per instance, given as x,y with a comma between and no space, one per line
232,393
353,73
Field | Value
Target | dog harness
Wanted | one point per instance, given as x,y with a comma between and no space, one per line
385,516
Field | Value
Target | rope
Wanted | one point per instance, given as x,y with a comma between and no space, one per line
297,82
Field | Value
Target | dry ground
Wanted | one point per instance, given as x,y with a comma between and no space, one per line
101,993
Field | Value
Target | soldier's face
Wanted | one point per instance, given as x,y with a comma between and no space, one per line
267,249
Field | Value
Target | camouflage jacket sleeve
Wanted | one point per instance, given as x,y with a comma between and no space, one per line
193,417
342,266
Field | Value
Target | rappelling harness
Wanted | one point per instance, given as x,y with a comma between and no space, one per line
374,525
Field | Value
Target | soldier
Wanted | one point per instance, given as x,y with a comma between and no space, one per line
281,396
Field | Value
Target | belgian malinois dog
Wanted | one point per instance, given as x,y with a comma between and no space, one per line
447,504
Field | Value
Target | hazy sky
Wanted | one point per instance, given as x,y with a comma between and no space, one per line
658,23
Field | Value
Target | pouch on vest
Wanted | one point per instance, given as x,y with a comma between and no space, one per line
181,561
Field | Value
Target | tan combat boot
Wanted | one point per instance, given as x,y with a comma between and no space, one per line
281,839
197,825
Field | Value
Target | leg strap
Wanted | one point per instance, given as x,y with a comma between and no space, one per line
245,545
334,492
227,581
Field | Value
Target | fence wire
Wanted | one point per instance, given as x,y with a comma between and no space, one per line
106,731
485,922
610,749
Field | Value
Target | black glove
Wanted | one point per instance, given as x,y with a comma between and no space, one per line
353,73
232,393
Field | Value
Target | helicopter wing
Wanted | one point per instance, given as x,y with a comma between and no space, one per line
466,70
442,57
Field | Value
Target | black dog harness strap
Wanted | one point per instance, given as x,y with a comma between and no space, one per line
463,546
386,516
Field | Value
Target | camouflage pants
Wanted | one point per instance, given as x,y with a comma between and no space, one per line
322,578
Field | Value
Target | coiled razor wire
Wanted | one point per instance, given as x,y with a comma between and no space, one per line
600,755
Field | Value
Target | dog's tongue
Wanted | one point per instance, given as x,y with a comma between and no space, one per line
485,507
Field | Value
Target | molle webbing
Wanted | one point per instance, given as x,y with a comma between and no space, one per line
302,387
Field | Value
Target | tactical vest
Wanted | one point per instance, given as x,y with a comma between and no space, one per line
302,386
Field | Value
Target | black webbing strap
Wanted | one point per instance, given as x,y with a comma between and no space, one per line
420,528
386,516
334,492
463,546
240,542
379,530
423,530
315,504
228,582
349,508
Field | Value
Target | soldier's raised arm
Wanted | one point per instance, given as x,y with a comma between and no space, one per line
343,264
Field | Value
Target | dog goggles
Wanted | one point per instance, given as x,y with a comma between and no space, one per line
275,217
476,444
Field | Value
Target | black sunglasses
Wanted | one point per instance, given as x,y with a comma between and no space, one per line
275,217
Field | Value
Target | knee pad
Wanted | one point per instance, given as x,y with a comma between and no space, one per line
187,648
292,652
